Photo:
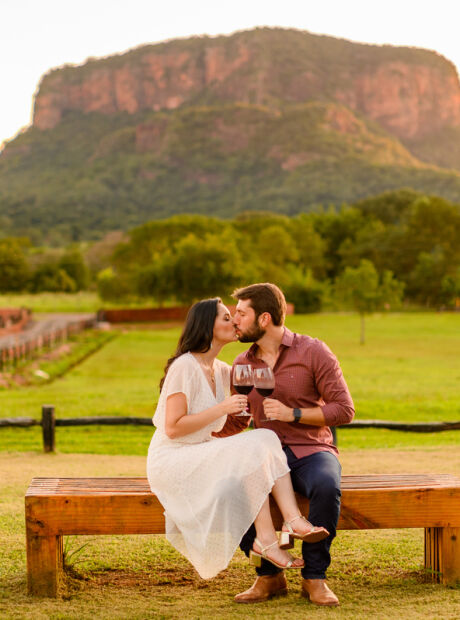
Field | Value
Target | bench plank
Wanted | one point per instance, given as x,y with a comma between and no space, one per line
127,506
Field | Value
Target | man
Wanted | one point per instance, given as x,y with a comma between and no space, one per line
310,396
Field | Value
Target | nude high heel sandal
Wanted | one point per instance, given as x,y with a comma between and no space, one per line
255,557
315,534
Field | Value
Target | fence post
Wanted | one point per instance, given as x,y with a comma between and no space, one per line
48,428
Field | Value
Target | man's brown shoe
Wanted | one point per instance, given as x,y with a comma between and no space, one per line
318,592
264,588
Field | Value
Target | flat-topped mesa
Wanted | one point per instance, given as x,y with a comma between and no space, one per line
408,91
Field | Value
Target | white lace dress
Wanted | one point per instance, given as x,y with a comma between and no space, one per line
211,488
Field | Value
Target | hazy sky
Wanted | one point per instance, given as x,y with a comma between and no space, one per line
37,35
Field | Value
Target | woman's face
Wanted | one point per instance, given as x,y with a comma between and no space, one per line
224,330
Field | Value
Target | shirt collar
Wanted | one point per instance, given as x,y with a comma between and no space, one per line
286,341
288,337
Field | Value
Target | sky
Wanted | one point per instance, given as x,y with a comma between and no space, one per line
37,35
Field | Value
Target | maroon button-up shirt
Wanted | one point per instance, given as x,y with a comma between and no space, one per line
307,375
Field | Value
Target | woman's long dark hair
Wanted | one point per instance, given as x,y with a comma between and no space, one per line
198,330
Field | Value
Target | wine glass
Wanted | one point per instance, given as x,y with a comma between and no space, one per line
264,381
243,381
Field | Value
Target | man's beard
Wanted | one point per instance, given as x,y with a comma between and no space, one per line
254,333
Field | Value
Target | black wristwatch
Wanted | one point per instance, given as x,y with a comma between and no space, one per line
297,415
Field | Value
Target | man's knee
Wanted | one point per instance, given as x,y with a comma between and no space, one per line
318,485
325,487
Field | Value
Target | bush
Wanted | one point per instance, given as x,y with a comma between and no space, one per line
113,287
14,272
304,292
49,277
73,263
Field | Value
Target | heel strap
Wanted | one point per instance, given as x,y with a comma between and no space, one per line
288,523
264,549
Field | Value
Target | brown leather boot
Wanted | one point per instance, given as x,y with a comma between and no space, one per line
264,588
318,592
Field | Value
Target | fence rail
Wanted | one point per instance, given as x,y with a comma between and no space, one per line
42,335
49,422
13,320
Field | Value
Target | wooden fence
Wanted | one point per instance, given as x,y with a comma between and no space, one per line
49,423
27,344
143,315
13,320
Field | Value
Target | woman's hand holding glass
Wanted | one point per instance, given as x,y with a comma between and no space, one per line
233,405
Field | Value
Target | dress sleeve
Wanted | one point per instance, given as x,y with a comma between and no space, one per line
180,379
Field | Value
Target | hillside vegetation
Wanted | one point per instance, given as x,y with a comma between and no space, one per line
272,120
398,246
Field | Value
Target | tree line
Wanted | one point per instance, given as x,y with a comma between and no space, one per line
401,245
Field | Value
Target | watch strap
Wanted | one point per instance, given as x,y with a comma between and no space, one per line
297,415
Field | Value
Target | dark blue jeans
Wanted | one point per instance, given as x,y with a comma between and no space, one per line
317,477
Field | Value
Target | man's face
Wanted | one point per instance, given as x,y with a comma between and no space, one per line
244,320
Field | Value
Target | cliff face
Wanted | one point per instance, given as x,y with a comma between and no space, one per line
156,81
409,101
409,92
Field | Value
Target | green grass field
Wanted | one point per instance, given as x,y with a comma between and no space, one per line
377,574
408,370
84,301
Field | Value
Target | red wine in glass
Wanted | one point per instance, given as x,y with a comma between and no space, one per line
243,381
264,382
264,391
243,389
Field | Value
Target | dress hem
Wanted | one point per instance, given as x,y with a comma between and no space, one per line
256,512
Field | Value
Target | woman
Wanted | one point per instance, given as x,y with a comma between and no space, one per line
213,489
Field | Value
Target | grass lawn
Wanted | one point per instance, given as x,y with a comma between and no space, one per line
376,573
83,301
409,370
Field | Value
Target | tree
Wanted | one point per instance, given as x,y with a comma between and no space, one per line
430,226
334,228
426,280
51,278
310,246
275,250
154,280
73,263
14,272
362,289
304,291
450,289
113,287
206,267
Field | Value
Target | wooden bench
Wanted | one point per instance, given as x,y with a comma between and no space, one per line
63,506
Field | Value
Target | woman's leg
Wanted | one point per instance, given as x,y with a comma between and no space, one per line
266,535
283,492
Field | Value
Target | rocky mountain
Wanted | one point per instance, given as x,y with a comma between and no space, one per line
270,118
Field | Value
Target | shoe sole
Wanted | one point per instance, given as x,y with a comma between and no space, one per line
287,540
256,560
267,598
307,596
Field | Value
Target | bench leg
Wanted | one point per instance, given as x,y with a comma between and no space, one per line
44,564
442,554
